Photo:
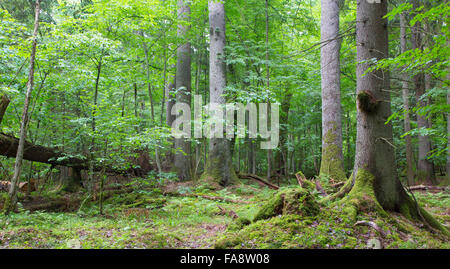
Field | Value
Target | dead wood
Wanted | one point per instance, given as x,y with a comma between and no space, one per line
230,213
259,179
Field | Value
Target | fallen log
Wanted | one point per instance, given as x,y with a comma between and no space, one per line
36,153
23,186
259,179
424,188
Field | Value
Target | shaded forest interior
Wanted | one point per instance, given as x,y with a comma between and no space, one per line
92,94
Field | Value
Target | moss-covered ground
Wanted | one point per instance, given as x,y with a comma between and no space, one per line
143,215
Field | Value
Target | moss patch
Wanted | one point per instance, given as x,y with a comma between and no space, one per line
297,201
332,164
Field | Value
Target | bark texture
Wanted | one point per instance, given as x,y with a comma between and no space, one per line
219,167
183,85
332,158
375,184
374,143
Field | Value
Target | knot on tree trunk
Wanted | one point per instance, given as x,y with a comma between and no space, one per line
367,102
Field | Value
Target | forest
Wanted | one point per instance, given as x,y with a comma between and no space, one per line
224,124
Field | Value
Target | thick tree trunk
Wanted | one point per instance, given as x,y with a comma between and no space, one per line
332,158
374,143
219,167
12,198
183,85
405,94
375,184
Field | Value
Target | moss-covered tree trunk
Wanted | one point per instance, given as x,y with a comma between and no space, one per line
183,85
332,163
219,168
374,178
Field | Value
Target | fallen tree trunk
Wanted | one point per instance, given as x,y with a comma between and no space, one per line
424,188
36,153
259,179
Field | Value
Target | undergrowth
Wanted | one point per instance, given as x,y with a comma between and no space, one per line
144,217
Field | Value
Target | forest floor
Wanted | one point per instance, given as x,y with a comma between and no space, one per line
180,215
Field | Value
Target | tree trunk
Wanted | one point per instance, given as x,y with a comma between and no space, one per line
4,102
281,156
374,150
183,85
405,94
12,198
332,163
219,167
70,179
375,183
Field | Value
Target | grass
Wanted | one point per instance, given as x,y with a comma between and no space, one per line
192,222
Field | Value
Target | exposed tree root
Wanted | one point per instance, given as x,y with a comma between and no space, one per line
361,198
344,190
373,225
